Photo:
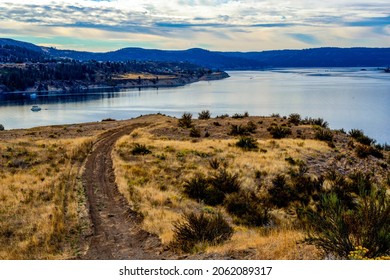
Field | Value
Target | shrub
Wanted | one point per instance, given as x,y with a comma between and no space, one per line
337,230
214,163
238,129
200,188
204,115
223,116
213,196
200,229
196,187
185,121
318,122
247,143
194,132
281,193
359,136
1,127
140,149
240,116
324,135
360,253
364,151
304,188
225,182
295,119
251,127
279,132
246,207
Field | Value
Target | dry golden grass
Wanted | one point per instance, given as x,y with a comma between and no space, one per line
42,201
268,244
42,209
145,76
153,183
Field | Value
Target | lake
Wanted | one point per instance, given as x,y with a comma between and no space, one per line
345,97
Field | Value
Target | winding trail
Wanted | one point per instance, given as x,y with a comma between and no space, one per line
116,229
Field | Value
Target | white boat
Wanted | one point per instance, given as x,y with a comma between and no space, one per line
36,108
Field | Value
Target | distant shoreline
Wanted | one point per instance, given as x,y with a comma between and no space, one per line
62,87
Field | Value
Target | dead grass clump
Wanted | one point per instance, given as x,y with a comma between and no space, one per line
199,230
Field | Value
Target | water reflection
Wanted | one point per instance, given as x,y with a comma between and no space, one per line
346,98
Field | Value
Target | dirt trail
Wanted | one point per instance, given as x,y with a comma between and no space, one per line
116,230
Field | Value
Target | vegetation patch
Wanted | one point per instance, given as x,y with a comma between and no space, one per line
247,143
185,121
140,149
200,230
278,131
204,115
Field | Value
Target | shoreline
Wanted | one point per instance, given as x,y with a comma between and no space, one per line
65,87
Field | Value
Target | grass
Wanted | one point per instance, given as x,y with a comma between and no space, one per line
42,209
157,184
144,76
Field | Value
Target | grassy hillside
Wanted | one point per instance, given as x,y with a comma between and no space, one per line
257,183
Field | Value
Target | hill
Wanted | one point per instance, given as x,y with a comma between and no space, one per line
260,184
316,57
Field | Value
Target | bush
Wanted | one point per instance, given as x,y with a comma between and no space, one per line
200,188
304,188
225,182
338,230
247,143
295,119
194,132
140,149
279,132
223,116
246,207
185,121
364,151
318,122
204,115
200,229
196,187
251,127
240,116
359,136
214,163
281,194
324,135
213,196
237,129
1,127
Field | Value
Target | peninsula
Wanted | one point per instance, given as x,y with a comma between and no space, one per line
66,75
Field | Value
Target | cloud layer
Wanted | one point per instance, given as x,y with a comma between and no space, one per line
179,24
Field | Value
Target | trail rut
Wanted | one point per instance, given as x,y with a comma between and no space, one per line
116,229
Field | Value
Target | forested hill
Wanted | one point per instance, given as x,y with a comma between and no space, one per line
16,51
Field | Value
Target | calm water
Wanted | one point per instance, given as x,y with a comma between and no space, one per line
346,98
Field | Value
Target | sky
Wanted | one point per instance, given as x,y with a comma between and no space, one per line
224,25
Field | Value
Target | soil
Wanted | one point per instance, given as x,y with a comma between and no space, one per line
117,233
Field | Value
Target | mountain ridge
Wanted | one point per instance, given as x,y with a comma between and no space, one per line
233,60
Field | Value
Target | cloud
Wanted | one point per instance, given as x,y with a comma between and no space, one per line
217,23
305,38
373,21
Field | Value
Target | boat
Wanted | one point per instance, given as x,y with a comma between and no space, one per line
36,108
